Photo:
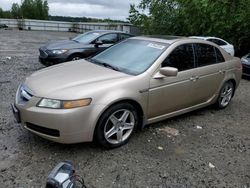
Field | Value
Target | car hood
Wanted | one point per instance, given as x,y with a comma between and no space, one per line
65,44
68,80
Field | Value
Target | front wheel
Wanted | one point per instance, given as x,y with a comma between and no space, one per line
75,57
226,94
116,125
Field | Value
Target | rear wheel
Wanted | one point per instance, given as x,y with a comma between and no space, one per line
116,125
226,94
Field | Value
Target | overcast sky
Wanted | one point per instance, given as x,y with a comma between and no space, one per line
114,9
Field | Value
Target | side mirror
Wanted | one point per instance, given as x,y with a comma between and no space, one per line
166,72
98,43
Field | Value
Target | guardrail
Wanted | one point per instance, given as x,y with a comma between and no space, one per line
80,27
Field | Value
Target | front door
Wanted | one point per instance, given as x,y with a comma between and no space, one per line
171,94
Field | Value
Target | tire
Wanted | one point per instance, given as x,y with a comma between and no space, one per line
225,96
75,57
116,125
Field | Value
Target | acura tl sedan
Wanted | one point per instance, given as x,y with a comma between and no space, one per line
82,46
136,82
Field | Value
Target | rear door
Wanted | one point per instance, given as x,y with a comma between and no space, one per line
210,72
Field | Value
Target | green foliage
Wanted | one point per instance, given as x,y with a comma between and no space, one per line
15,11
29,9
227,19
35,9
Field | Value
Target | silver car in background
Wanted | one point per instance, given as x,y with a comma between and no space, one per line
136,82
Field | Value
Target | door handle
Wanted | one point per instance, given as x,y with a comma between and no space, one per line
192,79
222,72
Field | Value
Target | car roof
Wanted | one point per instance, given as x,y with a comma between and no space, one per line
204,37
160,38
109,31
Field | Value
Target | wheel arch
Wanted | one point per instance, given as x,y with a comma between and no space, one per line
75,54
134,103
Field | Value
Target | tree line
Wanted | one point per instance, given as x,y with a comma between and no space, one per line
226,19
28,9
39,9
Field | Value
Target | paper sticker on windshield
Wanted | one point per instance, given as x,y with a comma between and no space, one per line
157,46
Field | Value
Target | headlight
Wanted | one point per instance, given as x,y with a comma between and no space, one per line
58,104
59,51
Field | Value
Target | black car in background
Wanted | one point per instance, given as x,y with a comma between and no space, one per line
4,26
82,46
245,60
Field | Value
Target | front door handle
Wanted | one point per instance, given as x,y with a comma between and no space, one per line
194,78
222,72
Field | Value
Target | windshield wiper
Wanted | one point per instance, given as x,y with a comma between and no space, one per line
75,40
104,64
110,66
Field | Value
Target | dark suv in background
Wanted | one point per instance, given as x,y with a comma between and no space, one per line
82,46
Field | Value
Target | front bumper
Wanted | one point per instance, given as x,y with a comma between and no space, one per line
60,125
47,61
46,58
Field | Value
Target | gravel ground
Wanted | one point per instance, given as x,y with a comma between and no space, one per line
172,153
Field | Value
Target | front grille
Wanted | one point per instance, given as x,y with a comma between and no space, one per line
43,130
23,95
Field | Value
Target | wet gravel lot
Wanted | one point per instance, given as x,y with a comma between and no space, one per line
205,148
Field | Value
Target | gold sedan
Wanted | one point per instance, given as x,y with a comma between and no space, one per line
136,82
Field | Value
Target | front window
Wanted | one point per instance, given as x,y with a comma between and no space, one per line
86,37
181,58
131,56
108,39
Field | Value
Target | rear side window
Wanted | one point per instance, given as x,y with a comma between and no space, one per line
219,56
205,55
182,58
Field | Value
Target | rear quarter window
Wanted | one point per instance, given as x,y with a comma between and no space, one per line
219,56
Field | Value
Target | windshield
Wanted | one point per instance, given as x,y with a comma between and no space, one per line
86,37
132,56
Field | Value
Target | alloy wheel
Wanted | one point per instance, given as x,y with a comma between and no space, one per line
119,126
75,58
226,94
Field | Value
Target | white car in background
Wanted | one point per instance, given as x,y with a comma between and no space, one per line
229,48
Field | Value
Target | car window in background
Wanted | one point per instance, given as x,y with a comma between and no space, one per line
217,41
182,58
108,39
86,37
132,56
219,56
124,36
205,54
